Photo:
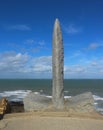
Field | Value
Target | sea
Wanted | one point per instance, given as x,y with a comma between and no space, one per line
17,89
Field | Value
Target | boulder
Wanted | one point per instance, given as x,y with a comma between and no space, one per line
4,106
35,101
81,103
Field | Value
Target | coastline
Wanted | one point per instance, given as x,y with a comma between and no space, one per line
17,89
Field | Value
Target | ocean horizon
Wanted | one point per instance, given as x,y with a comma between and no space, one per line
17,89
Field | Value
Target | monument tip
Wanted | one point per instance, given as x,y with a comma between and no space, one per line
57,23
56,20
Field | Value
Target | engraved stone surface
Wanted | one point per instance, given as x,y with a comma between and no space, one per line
36,102
81,103
58,67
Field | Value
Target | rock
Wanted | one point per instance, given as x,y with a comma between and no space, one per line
81,103
4,106
16,106
58,67
34,102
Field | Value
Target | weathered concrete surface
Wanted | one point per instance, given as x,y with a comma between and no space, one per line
81,103
57,67
40,122
34,102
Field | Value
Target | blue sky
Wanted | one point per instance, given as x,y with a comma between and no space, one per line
26,28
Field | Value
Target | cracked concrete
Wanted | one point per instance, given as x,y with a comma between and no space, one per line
51,122
3,124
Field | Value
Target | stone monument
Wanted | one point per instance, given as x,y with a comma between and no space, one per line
35,101
57,67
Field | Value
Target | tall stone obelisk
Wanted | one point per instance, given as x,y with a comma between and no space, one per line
58,67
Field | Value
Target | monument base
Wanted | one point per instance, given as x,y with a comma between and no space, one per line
82,103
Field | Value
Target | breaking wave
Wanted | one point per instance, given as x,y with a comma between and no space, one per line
18,95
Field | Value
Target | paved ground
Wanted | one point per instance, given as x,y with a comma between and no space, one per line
51,123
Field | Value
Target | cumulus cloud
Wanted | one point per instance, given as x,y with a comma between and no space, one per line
12,64
74,69
94,63
41,64
89,69
21,27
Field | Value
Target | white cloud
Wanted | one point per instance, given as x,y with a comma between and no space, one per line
17,64
28,46
41,43
30,41
41,64
41,68
44,60
21,27
94,63
74,69
93,46
72,29
12,62
89,69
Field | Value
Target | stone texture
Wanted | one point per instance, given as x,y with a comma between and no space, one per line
4,106
58,67
34,102
81,103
